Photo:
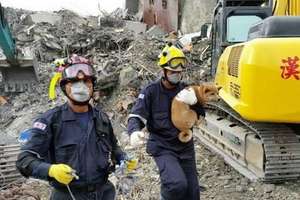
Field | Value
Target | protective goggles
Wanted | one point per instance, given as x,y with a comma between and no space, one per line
177,62
72,71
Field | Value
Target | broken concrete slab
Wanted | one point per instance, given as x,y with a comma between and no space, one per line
136,27
43,16
156,31
23,37
268,188
127,75
26,20
187,38
52,44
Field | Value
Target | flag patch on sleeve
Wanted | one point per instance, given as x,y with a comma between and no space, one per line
39,125
141,96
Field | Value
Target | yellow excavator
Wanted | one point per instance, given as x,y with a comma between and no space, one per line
256,61
17,70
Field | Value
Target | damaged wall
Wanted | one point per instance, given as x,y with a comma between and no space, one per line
132,6
194,13
170,15
163,13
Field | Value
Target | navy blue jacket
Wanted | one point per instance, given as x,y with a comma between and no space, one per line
153,109
86,152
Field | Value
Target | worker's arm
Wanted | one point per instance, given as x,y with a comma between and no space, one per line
140,112
117,153
33,159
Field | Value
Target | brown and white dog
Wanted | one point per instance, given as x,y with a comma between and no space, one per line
183,117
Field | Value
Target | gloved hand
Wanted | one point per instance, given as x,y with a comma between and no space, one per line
137,138
131,164
127,165
62,173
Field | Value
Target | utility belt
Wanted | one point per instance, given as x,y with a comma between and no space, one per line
81,188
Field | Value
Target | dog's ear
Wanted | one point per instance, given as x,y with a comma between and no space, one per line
206,90
209,88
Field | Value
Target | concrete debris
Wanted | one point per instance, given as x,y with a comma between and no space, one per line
41,17
127,76
136,27
269,188
240,188
125,104
226,177
156,31
29,189
187,38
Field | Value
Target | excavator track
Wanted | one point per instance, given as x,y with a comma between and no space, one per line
8,158
260,151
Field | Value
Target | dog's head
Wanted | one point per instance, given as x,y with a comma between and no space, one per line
207,92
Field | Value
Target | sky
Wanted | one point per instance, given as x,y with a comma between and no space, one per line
83,7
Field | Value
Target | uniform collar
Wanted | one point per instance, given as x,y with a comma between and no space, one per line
69,115
165,90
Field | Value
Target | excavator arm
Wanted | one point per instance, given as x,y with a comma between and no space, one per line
7,42
286,7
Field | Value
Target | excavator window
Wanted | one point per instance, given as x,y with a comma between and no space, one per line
235,3
239,25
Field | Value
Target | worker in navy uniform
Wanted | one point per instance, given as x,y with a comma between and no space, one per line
73,145
175,159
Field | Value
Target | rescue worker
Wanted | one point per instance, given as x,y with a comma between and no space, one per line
174,159
70,145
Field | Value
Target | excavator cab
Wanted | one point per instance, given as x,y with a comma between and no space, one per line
232,21
17,69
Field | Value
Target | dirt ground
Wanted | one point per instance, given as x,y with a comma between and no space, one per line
220,182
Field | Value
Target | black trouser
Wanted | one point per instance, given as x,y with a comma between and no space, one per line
105,192
179,180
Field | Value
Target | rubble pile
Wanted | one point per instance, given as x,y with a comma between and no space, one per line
26,190
60,34
123,60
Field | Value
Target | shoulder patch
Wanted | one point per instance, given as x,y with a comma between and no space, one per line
25,136
141,96
39,125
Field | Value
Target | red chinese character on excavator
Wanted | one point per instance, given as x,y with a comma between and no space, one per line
289,68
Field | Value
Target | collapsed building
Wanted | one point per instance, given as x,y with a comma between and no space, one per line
173,15
125,58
